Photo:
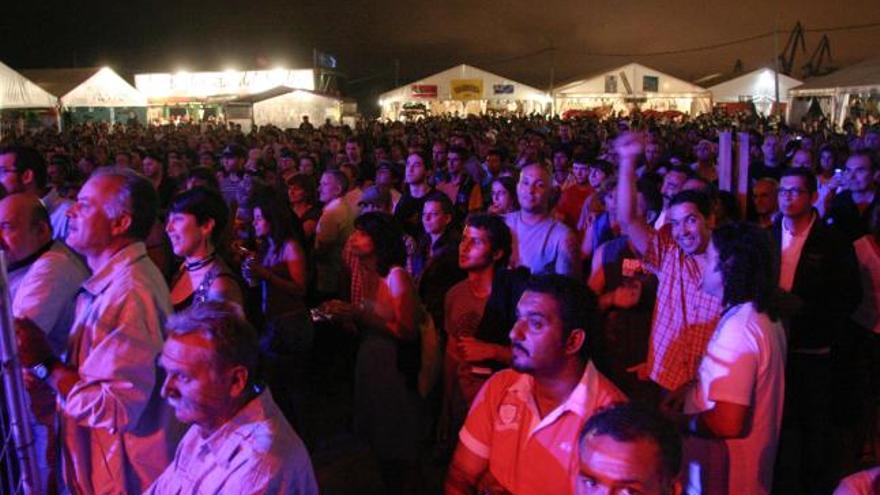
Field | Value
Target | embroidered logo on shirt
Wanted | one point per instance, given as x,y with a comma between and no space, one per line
507,413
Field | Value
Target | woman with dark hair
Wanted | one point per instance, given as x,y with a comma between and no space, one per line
302,195
503,193
733,410
279,268
387,404
197,221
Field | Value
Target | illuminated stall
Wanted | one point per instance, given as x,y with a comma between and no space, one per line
757,88
851,92
462,90
23,104
629,88
196,96
92,94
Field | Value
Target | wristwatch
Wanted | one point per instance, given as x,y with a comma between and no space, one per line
43,369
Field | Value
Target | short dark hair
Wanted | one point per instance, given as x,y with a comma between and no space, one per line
27,158
651,193
698,198
307,184
458,150
440,197
340,178
235,340
582,158
387,237
577,305
204,204
746,261
869,154
205,175
631,422
500,238
805,173
681,169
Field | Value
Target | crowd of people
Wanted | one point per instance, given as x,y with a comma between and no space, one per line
545,305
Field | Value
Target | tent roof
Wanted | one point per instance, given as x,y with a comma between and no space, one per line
759,82
273,93
864,75
443,79
594,83
16,91
88,87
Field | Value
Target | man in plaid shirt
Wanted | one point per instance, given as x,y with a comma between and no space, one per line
684,316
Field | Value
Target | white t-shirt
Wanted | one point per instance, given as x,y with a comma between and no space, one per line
744,364
792,245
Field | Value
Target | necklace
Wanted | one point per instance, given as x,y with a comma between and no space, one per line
199,264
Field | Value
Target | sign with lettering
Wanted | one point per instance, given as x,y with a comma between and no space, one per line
502,89
423,90
466,89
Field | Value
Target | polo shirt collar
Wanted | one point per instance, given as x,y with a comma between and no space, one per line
576,403
104,275
226,442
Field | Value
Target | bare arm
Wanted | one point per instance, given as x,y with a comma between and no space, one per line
629,147
725,420
464,472
295,262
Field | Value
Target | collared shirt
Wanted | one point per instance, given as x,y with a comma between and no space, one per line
117,433
792,245
529,454
44,291
684,316
256,452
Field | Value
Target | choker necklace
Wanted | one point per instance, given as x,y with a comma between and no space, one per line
198,264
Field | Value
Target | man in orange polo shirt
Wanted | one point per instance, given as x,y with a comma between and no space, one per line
521,433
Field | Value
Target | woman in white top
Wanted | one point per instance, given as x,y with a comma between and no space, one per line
732,412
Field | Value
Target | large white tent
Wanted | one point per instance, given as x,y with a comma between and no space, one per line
462,90
283,107
757,87
848,91
630,87
95,93
17,92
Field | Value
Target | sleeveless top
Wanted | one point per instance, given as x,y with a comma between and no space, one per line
200,294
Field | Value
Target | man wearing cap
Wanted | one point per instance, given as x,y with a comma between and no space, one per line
232,159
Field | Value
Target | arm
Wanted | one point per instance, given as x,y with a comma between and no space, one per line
596,282
629,147
295,263
226,289
725,420
464,472
568,260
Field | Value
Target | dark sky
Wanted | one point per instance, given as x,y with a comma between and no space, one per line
508,37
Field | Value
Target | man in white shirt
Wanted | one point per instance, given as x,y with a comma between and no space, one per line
117,435
334,227
23,169
239,441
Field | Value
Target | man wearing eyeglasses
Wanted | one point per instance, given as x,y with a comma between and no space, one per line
819,273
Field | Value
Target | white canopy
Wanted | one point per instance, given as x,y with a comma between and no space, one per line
286,110
16,91
464,89
632,85
837,92
758,86
88,87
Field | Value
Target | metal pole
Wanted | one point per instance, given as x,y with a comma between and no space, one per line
15,393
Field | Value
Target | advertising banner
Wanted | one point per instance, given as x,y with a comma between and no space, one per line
424,90
466,89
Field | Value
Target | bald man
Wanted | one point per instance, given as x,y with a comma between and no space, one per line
44,277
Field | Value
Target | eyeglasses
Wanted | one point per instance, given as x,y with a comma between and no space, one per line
794,191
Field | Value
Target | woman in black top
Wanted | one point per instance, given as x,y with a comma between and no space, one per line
197,219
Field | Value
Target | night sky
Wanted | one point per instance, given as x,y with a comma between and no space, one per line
510,37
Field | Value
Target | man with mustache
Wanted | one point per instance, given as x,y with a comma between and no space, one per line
522,430
685,316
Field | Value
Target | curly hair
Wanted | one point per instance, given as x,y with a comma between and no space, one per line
747,265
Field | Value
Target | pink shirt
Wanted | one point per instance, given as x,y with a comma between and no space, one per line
255,452
117,434
529,454
684,316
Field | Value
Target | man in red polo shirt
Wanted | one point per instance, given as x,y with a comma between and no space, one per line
521,433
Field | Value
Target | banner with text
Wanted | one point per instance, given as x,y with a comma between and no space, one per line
466,89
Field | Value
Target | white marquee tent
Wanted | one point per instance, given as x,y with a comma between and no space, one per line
17,92
283,107
92,93
758,87
629,87
464,90
851,90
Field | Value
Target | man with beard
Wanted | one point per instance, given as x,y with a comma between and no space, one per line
521,434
